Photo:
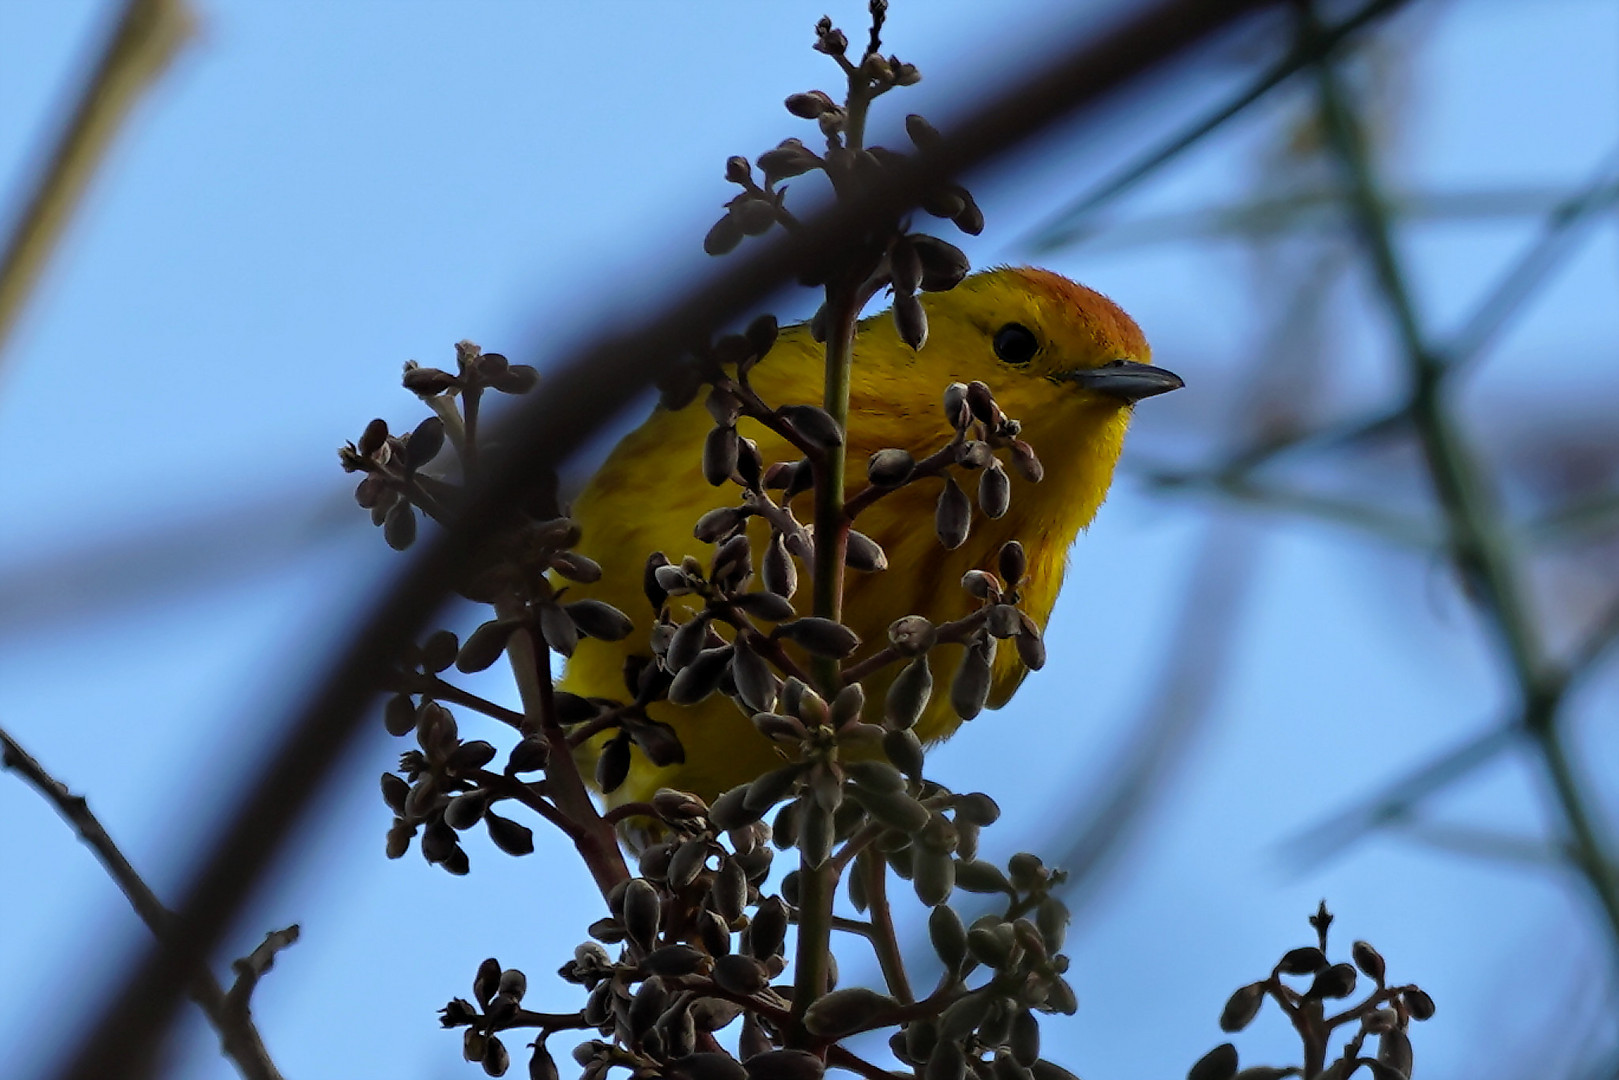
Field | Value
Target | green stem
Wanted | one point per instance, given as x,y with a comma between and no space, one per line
883,939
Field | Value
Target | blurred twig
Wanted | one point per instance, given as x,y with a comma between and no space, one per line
1479,547
146,38
1069,225
226,1010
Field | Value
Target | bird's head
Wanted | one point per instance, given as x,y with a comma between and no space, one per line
1043,343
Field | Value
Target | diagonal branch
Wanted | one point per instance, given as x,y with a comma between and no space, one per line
228,1012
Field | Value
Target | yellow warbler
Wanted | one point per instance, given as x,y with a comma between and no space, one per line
1062,359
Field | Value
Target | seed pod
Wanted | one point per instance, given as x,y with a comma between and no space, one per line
756,685
909,693
890,468
952,517
970,219
934,876
399,716
466,810
399,526
1394,1051
509,836
558,629
642,912
1337,981
905,266
613,767
969,689
784,1065
1024,1042
964,1015
865,554
719,523
1031,647
780,573
701,677
723,236
943,264
977,808
1241,1008
844,1012
767,790
720,450
1013,562
1026,463
542,1066
823,637
815,833
814,424
1051,917
1218,1064
994,491
981,876
764,605
904,749
948,1062
1418,1004
1369,960
910,320
738,974
895,809
599,620
847,706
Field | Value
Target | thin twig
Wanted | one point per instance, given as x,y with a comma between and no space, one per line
238,1036
146,38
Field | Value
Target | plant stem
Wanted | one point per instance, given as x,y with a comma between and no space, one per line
883,939
596,842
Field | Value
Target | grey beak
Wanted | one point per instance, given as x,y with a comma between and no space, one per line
1127,380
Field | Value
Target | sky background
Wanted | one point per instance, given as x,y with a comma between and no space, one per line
317,192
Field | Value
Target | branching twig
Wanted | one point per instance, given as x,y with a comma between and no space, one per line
238,1036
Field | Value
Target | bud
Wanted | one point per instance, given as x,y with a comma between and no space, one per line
952,516
911,320
1336,982
864,553
784,1065
904,267
810,105
969,219
599,620
780,573
994,490
904,749
1418,1004
934,876
1025,462
1369,960
701,677
981,876
943,264
1241,1008
1218,1064
1305,960
844,1012
756,685
969,689
981,584
720,452
724,235
890,468
823,637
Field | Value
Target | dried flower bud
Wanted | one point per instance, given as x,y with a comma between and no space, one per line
1394,1051
1026,463
934,876
558,629
844,1012
890,468
399,526
425,382
910,320
1241,1008
1336,981
863,553
737,169
969,689
981,876
974,454
952,518
1218,1064
754,213
823,637
613,766
723,236
994,491
756,684
1305,960
895,809
943,264
904,266
1369,960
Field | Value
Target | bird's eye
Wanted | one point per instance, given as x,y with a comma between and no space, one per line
1016,343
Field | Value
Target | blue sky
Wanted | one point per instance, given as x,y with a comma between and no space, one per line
316,193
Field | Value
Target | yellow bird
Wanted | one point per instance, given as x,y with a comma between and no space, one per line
1064,360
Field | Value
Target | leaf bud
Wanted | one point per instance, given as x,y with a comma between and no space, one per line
738,974
784,1065
808,106
1014,563
1026,463
969,219
509,836
943,264
981,584
599,620
934,875
724,235
737,169
904,749
1418,1004
1336,981
823,637
969,689
613,766
701,677
1305,960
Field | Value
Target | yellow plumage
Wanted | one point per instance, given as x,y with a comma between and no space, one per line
650,491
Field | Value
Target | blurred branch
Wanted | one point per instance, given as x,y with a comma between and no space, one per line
1399,798
1241,486
1068,225
601,380
1479,547
228,1012
1565,225
146,38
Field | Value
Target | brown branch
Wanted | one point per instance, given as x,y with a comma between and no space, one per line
228,1013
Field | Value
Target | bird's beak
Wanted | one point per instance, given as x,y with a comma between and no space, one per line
1127,380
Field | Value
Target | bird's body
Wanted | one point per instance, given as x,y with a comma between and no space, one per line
650,491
